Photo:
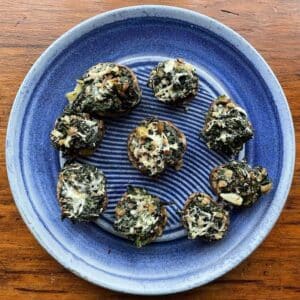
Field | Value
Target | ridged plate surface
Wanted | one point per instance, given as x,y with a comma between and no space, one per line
173,186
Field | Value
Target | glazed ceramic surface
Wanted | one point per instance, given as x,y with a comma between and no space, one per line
140,37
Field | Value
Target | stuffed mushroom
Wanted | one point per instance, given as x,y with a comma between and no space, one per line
174,82
81,192
77,133
239,184
140,216
227,127
154,145
106,89
204,218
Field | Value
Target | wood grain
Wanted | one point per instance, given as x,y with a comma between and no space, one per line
27,28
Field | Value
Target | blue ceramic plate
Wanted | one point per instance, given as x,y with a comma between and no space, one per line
139,37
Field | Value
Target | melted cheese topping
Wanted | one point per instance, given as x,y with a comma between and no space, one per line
76,192
137,214
77,197
102,85
145,218
150,145
203,223
105,87
170,87
227,126
69,127
239,184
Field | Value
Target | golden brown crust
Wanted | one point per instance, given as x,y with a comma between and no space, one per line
211,175
178,164
182,102
116,114
220,100
104,203
130,156
163,224
86,151
188,201
59,187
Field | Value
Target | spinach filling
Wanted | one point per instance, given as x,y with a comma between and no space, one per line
177,145
239,184
81,192
226,127
154,145
204,218
105,88
140,216
174,81
75,132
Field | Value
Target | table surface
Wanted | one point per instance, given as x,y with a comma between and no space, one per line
28,27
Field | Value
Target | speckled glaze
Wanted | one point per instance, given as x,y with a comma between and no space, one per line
140,37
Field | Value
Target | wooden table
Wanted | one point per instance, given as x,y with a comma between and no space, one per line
28,27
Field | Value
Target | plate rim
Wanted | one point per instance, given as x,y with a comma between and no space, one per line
177,13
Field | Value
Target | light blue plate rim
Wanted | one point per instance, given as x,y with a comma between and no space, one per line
17,185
